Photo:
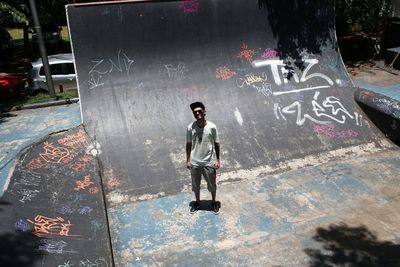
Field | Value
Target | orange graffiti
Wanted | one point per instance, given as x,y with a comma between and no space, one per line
50,226
246,53
78,166
53,154
368,93
86,158
113,182
93,190
37,163
224,73
83,184
74,140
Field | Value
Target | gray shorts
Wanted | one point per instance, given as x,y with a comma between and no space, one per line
209,174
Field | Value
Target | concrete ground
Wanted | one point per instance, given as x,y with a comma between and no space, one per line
20,129
344,213
376,77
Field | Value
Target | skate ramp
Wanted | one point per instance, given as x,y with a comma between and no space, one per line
268,72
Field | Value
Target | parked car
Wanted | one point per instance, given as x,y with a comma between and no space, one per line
51,33
62,70
10,85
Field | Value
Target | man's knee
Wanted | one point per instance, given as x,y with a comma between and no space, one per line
212,187
195,187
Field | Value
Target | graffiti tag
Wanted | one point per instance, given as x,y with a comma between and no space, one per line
331,109
101,68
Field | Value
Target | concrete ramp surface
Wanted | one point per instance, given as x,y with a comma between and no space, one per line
269,73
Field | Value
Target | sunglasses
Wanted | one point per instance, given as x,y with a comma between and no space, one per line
198,111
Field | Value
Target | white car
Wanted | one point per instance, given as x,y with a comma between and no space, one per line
62,70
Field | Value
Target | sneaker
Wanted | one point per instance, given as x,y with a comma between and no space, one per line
215,207
195,207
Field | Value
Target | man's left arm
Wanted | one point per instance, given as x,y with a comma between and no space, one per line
218,161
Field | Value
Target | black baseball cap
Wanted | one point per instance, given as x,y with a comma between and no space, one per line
197,105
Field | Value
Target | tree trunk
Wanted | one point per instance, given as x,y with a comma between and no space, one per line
26,36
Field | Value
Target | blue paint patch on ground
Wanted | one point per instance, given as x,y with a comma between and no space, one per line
265,223
29,127
250,221
207,227
170,204
196,257
269,184
390,91
151,222
338,184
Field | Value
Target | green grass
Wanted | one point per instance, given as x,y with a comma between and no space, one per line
18,34
7,103
40,98
65,34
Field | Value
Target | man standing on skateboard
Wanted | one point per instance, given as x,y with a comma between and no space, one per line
201,141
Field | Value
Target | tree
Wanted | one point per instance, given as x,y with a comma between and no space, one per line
363,17
16,10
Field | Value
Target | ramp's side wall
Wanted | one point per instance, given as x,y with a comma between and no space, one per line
268,72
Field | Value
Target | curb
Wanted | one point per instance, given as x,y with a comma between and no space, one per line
47,104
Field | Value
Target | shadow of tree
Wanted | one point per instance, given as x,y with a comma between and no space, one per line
343,245
2,202
4,116
16,248
19,249
300,25
386,123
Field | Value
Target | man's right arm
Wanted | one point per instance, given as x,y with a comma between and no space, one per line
188,150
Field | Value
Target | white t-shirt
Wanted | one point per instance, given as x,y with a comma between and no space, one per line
202,140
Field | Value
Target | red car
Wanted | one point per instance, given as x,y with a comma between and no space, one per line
11,85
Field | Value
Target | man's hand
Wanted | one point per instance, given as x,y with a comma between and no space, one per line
217,164
188,165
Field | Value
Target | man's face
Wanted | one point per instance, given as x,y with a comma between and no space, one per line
199,113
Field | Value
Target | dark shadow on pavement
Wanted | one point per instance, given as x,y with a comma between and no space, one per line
2,203
343,245
19,249
389,126
205,205
5,116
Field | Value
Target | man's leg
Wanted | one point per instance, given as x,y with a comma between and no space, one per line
197,195
214,184
195,174
210,175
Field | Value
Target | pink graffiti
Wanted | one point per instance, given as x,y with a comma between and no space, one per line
189,6
270,53
329,131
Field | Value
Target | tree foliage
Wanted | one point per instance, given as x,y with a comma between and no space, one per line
16,10
362,16
368,18
19,10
